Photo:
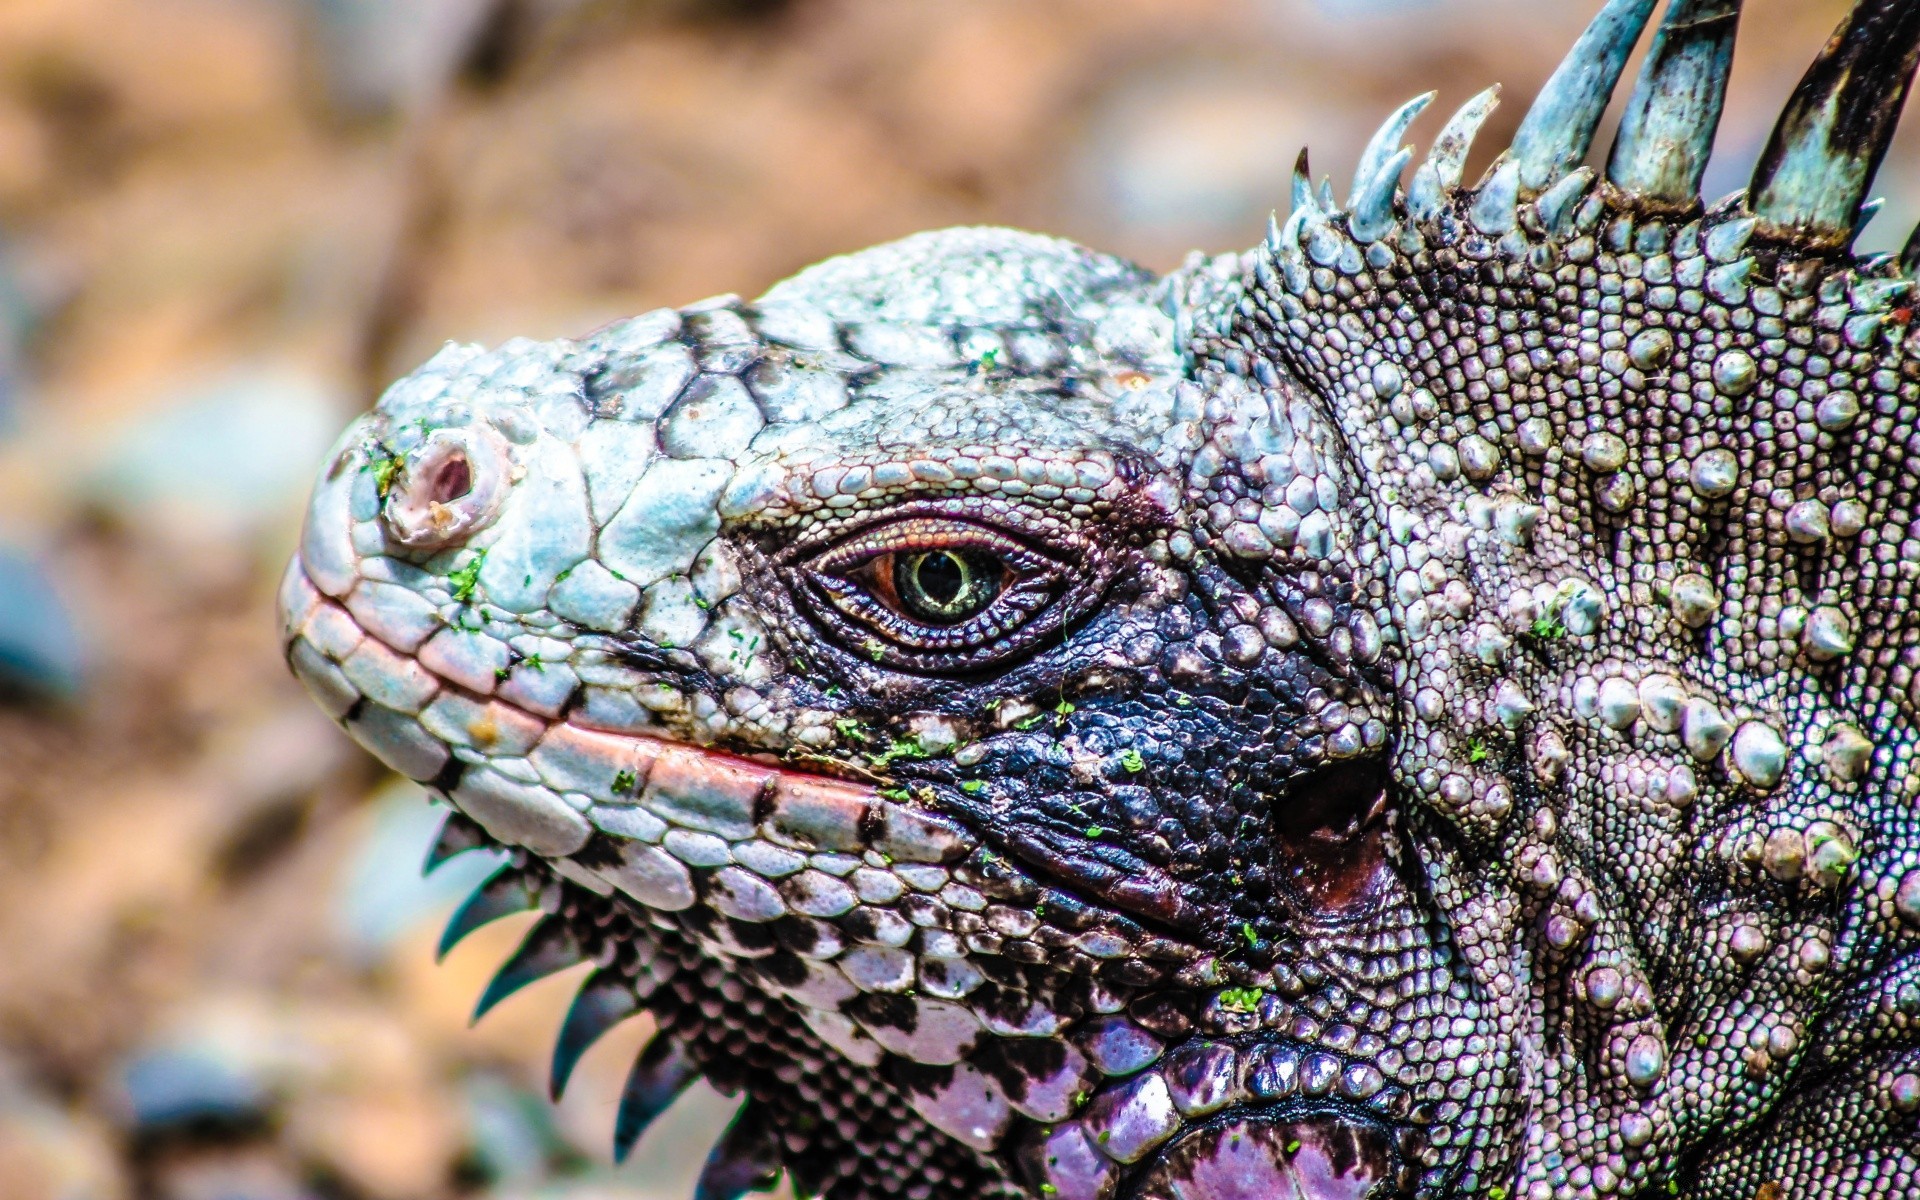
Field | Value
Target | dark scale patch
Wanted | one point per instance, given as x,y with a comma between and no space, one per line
885,1010
449,776
1016,1063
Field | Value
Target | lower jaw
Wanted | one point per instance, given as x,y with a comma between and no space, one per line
1275,1154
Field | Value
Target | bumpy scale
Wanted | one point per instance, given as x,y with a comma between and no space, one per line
1425,707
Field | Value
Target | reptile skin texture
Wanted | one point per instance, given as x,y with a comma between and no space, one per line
1425,707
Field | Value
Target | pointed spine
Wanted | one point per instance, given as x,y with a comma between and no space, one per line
661,1072
1666,134
1440,173
458,834
1830,139
1384,146
503,894
1868,212
1727,241
1558,129
606,1000
1373,207
1557,205
1496,207
550,947
1288,254
745,1159
1303,183
1910,253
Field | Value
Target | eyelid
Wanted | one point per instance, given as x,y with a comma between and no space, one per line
928,533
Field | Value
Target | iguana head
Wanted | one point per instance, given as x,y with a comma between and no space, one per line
937,620
1421,708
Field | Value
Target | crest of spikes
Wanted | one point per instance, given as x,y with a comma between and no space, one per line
1423,708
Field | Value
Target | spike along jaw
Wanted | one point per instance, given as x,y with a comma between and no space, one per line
965,736
1644,559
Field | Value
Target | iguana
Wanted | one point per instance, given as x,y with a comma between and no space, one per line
1425,707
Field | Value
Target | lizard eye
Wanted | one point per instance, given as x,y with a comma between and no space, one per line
944,586
933,592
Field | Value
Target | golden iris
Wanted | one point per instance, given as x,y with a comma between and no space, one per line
946,586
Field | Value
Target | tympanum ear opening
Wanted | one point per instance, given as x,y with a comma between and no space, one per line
1329,835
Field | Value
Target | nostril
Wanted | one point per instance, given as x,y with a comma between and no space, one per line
450,488
453,480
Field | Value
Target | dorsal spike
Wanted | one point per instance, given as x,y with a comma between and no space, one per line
1385,144
1435,179
1373,205
604,1001
1557,204
661,1072
1910,254
1558,130
1288,253
1868,212
1303,183
745,1159
502,895
458,834
1824,152
1496,208
1666,134
550,946
1448,158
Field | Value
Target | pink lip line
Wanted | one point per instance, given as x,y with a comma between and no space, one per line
676,790
585,773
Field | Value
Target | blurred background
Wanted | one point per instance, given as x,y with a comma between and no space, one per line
225,224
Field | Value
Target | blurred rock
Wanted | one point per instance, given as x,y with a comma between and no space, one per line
248,1173
198,1086
48,1152
41,652
511,1136
382,894
19,314
379,56
222,458
340,1085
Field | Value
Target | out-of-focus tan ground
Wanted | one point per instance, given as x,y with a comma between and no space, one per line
224,223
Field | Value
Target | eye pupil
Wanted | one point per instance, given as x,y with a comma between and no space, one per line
946,585
942,577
